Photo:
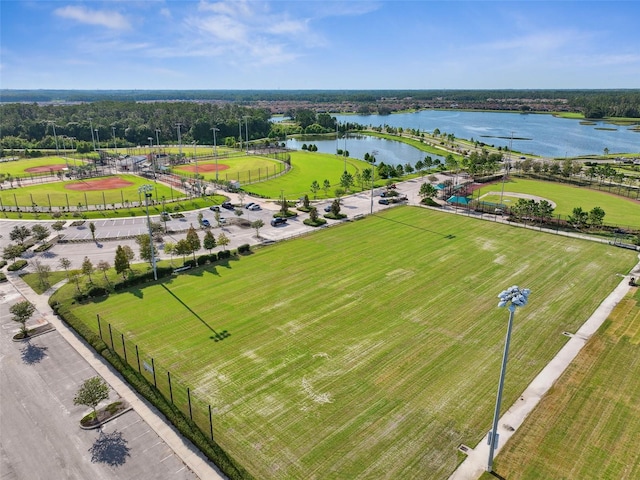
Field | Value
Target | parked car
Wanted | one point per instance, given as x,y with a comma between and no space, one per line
214,208
254,207
278,221
205,223
383,201
228,206
165,216
249,205
327,208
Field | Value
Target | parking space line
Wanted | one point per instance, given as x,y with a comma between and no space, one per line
159,442
141,435
168,456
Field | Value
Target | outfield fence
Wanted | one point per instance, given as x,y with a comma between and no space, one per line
173,388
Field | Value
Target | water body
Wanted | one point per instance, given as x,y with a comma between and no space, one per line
543,135
387,151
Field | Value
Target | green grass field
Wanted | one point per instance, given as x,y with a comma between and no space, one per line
305,168
56,195
588,424
244,169
367,350
19,168
619,210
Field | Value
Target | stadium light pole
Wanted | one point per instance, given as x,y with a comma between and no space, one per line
64,149
97,137
93,139
195,158
215,149
246,130
178,125
373,176
507,167
151,157
240,131
511,298
113,134
147,190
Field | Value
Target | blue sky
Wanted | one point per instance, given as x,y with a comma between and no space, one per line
160,44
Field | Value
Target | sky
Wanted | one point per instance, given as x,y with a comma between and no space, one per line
326,45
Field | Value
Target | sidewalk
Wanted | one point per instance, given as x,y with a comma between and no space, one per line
182,447
476,462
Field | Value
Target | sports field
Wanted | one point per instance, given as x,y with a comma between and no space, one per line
91,191
243,169
619,210
588,425
37,166
368,350
305,168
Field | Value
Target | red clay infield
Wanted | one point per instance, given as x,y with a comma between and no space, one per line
207,167
46,168
101,184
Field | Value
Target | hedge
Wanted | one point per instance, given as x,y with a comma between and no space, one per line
17,265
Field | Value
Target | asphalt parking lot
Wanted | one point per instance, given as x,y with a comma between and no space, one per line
40,435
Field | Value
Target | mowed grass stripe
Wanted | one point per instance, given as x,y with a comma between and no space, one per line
588,424
371,349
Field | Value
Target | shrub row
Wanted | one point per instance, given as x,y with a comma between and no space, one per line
185,426
244,248
17,265
3,263
3,277
43,248
142,278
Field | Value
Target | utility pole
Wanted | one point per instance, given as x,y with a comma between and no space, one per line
178,125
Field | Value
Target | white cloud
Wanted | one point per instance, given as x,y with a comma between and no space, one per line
105,18
165,12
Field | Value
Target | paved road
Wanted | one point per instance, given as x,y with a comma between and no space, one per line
40,436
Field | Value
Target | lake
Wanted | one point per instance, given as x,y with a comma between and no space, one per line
537,134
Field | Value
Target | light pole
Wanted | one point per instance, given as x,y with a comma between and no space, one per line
147,189
196,160
246,130
113,134
511,298
373,176
93,139
55,138
178,125
240,131
97,137
215,149
507,167
151,157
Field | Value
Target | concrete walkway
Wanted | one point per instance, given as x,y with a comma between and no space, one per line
189,454
476,462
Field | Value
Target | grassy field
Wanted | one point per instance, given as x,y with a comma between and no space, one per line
243,169
305,168
57,194
368,350
588,424
619,210
19,168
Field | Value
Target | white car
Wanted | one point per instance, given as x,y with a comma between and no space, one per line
254,206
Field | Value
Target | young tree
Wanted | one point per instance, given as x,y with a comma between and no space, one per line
12,251
238,212
74,276
121,262
257,225
335,207
305,201
578,217
58,226
241,195
427,191
19,233
21,312
200,217
43,271
194,241
209,241
223,241
104,267
87,268
596,216
128,251
65,264
313,214
145,247
326,185
183,248
218,218
40,232
346,181
92,229
315,187
170,248
91,393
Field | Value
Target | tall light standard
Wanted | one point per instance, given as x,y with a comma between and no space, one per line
151,157
64,149
113,134
196,160
240,131
178,125
507,167
511,298
55,137
246,130
215,149
93,139
97,137
147,189
373,176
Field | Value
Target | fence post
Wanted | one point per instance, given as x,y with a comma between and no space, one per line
111,336
189,398
210,423
124,348
170,389
99,327
138,357
153,368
